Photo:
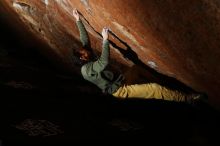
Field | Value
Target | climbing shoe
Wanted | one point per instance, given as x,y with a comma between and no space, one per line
196,99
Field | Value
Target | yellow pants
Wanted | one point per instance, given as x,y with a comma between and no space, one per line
149,91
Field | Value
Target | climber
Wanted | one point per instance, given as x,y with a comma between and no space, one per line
95,72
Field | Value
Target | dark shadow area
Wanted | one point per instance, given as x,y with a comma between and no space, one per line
82,118
42,105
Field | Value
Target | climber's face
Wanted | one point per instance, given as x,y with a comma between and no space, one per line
84,54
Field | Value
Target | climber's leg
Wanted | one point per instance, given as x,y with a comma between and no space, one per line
148,91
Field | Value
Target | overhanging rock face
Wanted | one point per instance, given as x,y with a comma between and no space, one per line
177,38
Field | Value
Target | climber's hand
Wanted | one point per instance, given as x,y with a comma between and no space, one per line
105,33
76,14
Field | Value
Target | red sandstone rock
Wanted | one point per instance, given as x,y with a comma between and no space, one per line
177,38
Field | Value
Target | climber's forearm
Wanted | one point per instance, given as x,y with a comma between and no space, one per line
103,60
83,34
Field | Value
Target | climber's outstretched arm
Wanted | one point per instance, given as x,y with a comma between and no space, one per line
82,31
103,60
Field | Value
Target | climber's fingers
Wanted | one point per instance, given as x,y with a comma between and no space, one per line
105,33
76,14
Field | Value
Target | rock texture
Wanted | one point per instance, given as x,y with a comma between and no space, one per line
176,38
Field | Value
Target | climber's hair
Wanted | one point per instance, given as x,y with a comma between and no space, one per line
76,56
